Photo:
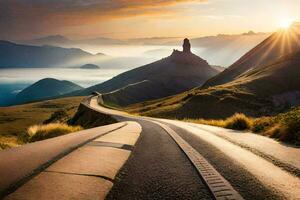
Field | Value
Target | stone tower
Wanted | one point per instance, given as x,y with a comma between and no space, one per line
186,46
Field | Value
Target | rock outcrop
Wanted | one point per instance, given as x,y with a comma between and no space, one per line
87,117
186,56
186,46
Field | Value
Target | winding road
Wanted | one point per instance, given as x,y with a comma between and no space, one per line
150,158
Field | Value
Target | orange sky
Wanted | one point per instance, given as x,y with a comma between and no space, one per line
24,19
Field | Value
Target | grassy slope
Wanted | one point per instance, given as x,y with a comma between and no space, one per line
265,90
172,75
284,126
278,44
14,120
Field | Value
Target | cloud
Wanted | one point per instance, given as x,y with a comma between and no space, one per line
23,18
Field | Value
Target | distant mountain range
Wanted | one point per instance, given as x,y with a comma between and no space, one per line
54,40
264,81
59,40
205,41
226,49
177,73
220,50
45,89
17,55
278,44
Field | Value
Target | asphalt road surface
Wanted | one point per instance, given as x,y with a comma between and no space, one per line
161,159
159,169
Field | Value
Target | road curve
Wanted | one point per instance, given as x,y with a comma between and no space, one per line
267,181
169,160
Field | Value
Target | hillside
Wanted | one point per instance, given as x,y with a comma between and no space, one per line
263,90
278,44
177,73
17,55
14,120
45,88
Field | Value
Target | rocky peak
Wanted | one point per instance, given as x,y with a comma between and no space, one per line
186,46
186,56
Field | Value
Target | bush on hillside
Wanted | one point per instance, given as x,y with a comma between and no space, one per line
261,124
290,123
284,127
4,146
59,116
238,121
42,132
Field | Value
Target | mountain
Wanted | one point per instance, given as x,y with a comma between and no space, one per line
154,41
17,55
225,49
90,66
220,50
263,82
222,40
62,41
100,41
54,40
9,91
278,44
45,89
179,72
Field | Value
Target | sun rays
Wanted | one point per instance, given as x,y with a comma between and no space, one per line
284,42
285,23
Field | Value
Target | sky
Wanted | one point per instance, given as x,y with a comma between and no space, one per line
79,19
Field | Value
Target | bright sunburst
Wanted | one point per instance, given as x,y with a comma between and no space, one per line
285,23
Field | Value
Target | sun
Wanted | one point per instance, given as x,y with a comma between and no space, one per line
285,23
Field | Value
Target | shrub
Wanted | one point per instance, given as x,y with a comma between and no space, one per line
4,146
284,127
275,131
42,132
58,116
261,124
291,121
238,121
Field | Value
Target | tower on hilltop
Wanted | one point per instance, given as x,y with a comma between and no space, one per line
186,46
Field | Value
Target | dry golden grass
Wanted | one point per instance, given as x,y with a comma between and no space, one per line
261,124
238,121
15,120
284,127
211,122
275,131
8,141
42,132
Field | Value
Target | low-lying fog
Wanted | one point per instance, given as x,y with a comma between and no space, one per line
120,58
